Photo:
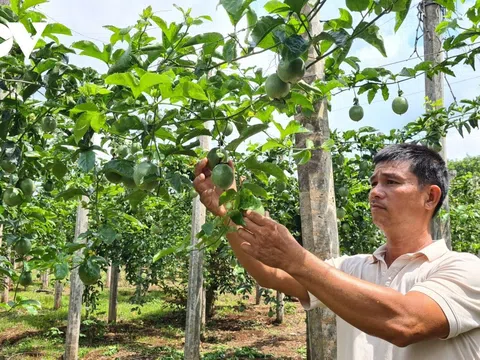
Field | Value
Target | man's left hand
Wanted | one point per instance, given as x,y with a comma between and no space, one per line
269,242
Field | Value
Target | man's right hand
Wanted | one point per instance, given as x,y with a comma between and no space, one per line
209,193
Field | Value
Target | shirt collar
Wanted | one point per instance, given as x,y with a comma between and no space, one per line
432,251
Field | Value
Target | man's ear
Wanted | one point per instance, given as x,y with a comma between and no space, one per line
433,197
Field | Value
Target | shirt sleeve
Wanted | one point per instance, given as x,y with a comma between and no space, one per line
455,287
313,302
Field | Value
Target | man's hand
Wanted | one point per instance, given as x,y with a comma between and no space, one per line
209,193
269,242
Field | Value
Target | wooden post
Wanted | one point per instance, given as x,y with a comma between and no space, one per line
112,306
258,293
280,307
45,279
317,207
434,92
6,280
195,303
57,300
109,275
76,290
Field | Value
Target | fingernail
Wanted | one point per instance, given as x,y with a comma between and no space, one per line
248,212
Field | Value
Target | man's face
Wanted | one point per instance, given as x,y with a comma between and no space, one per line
396,197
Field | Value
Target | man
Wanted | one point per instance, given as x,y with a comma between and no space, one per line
412,299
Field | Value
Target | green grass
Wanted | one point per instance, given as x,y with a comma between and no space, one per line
156,332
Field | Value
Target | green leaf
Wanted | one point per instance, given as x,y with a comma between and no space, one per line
164,252
194,91
345,21
121,167
271,144
136,197
61,271
448,4
208,228
151,79
72,247
71,193
371,95
59,170
400,16
256,189
81,126
302,157
276,7
328,145
263,27
86,160
385,92
211,41
97,120
300,99
235,9
293,47
57,28
89,48
237,217
107,234
30,3
227,196
83,107
267,167
358,5
245,134
15,6
123,79
372,36
293,127
230,50
296,5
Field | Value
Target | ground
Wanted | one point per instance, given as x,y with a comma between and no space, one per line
157,332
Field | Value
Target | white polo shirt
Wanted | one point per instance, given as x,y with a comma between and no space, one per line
450,278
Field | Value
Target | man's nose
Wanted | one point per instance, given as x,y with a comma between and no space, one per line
377,192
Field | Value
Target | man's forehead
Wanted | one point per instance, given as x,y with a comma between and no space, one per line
396,167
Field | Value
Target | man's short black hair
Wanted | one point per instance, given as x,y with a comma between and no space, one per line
427,165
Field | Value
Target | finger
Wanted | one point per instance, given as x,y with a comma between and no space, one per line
256,218
199,179
200,184
230,163
246,235
200,166
247,249
252,226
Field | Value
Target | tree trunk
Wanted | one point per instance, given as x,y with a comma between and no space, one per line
112,306
109,275
317,208
57,300
280,307
6,280
44,278
258,294
434,92
195,303
76,290
210,298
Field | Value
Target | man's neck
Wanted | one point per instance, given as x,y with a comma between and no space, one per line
406,241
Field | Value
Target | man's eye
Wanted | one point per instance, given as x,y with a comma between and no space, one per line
391,182
373,184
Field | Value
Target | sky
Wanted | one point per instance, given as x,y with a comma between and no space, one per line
86,19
